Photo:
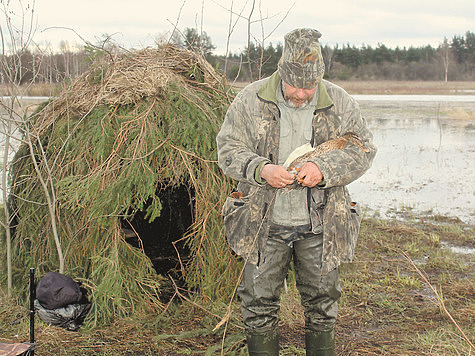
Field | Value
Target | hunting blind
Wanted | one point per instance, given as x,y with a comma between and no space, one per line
123,161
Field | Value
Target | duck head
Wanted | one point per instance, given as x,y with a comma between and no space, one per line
355,140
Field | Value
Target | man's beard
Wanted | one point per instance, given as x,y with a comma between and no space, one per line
294,102
299,104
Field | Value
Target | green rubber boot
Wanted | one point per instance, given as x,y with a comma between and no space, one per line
263,344
320,343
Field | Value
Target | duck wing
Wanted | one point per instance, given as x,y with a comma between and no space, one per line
327,146
306,153
299,152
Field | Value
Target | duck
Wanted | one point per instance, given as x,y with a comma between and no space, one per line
306,152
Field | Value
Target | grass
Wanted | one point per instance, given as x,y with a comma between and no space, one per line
407,87
386,307
395,87
38,89
460,114
440,341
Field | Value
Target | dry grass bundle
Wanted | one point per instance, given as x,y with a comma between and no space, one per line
131,127
127,77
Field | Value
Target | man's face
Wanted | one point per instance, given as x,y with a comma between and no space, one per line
297,97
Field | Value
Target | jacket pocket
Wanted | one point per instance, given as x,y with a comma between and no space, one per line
355,216
237,216
354,223
316,201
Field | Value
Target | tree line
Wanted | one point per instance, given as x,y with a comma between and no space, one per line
452,60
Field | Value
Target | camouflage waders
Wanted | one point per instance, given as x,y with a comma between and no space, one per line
261,286
250,137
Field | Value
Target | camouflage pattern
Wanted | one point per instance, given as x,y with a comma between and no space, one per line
301,64
249,137
260,288
15,349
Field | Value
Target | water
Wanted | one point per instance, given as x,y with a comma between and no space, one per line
461,250
426,153
417,98
33,99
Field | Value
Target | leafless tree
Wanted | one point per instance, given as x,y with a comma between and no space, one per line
444,51
328,58
16,36
252,39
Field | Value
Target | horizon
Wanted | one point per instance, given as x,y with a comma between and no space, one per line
78,47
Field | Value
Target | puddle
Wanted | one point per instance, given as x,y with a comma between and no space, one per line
461,250
424,164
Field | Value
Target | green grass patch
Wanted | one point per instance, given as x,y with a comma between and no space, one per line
386,307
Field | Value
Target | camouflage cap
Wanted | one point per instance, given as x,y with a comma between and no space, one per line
301,64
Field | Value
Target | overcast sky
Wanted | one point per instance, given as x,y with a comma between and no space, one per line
138,23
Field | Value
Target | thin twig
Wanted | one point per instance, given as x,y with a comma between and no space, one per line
177,292
439,298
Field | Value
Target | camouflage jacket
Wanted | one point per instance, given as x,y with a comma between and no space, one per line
249,137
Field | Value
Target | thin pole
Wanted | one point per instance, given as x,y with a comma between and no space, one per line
32,310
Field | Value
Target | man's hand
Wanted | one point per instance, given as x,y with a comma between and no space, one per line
277,176
309,175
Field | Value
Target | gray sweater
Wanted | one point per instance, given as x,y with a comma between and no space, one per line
290,207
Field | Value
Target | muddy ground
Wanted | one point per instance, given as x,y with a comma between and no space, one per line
398,297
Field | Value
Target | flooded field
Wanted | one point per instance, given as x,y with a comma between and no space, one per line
426,149
426,152
28,104
424,164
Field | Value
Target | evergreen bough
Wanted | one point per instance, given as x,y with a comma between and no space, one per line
134,124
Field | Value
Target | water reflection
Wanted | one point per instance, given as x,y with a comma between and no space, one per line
426,152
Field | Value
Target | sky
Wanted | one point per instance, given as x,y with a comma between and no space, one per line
141,23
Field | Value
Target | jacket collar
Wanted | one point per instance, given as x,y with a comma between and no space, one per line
268,92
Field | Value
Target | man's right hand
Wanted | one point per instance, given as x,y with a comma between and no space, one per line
277,176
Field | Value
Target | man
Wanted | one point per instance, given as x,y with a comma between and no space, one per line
268,223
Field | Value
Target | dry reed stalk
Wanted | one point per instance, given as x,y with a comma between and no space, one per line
439,298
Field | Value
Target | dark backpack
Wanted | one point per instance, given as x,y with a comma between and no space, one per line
55,290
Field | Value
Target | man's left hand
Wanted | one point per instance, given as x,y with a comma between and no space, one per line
310,175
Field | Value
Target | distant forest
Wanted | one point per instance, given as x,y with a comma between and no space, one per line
453,60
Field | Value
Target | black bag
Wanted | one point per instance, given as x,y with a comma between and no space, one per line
69,317
61,301
55,290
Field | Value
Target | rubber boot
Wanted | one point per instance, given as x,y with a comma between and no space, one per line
263,344
320,343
